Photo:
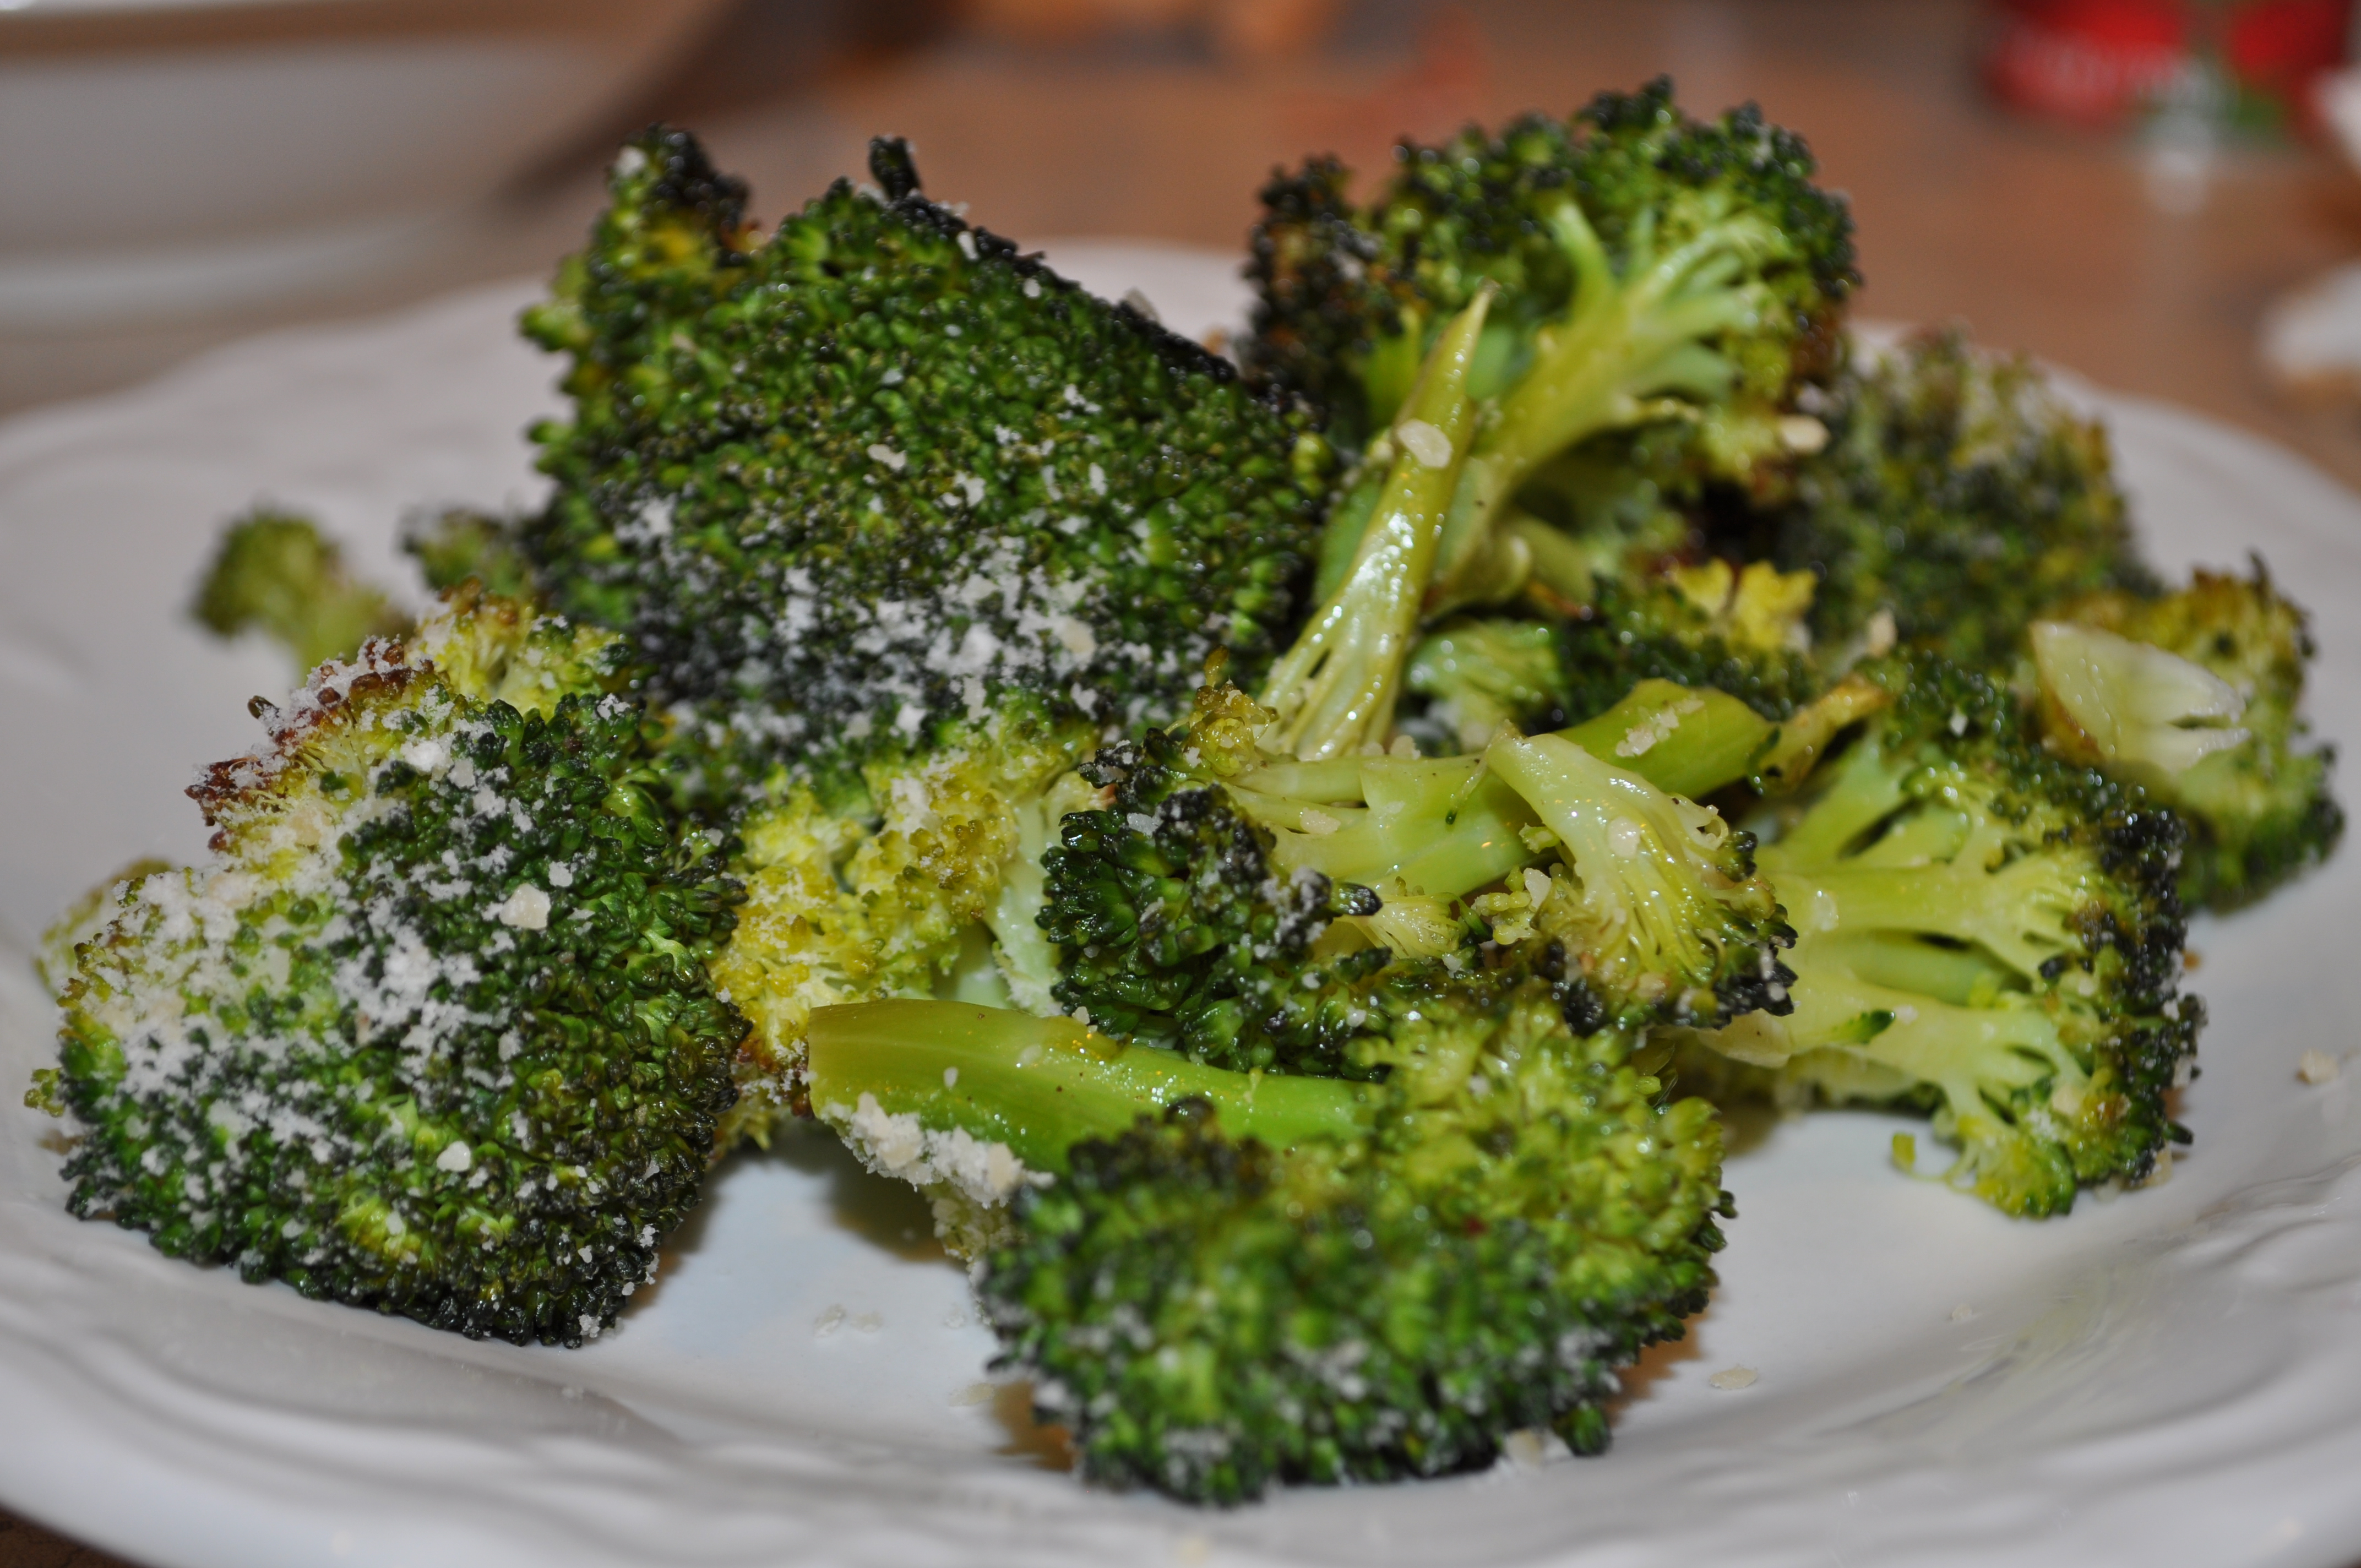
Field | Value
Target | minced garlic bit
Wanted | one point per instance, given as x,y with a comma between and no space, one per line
1734,1377
526,909
1426,443
2318,1066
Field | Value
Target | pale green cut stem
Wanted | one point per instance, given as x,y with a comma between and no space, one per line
1335,689
1447,826
1041,1085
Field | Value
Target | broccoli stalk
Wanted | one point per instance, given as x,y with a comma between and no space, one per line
1335,689
1035,1085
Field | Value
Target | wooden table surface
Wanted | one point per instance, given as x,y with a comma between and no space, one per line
2041,239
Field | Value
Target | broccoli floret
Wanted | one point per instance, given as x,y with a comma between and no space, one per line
2259,812
1957,499
460,546
1989,932
276,574
1481,673
432,1031
1296,1280
878,472
1741,632
1652,270
1174,930
925,877
1241,910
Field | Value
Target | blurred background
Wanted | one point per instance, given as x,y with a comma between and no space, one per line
2127,187
2153,192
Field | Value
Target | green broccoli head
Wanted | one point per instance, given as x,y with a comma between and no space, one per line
458,546
2258,811
276,574
1173,929
432,1031
924,875
1210,1315
1990,931
1957,499
871,476
1687,217
1651,911
1246,910
1742,632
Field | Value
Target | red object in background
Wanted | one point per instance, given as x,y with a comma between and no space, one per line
2092,60
2279,47
2100,62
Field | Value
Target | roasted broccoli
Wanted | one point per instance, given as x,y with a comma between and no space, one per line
876,474
1284,1279
457,546
2255,798
276,574
1989,933
1957,499
1741,632
923,874
1237,909
432,1031
1650,270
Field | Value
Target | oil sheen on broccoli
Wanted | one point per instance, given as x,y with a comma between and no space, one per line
430,1032
877,471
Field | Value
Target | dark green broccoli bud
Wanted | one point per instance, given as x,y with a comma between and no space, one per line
276,574
876,473
1957,499
2258,807
1990,932
1650,270
1173,929
1210,1316
461,546
431,1032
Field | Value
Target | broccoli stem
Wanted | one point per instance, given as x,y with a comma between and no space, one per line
1623,348
1444,827
1041,1085
1337,687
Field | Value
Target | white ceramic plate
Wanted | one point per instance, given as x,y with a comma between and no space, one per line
2173,1377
